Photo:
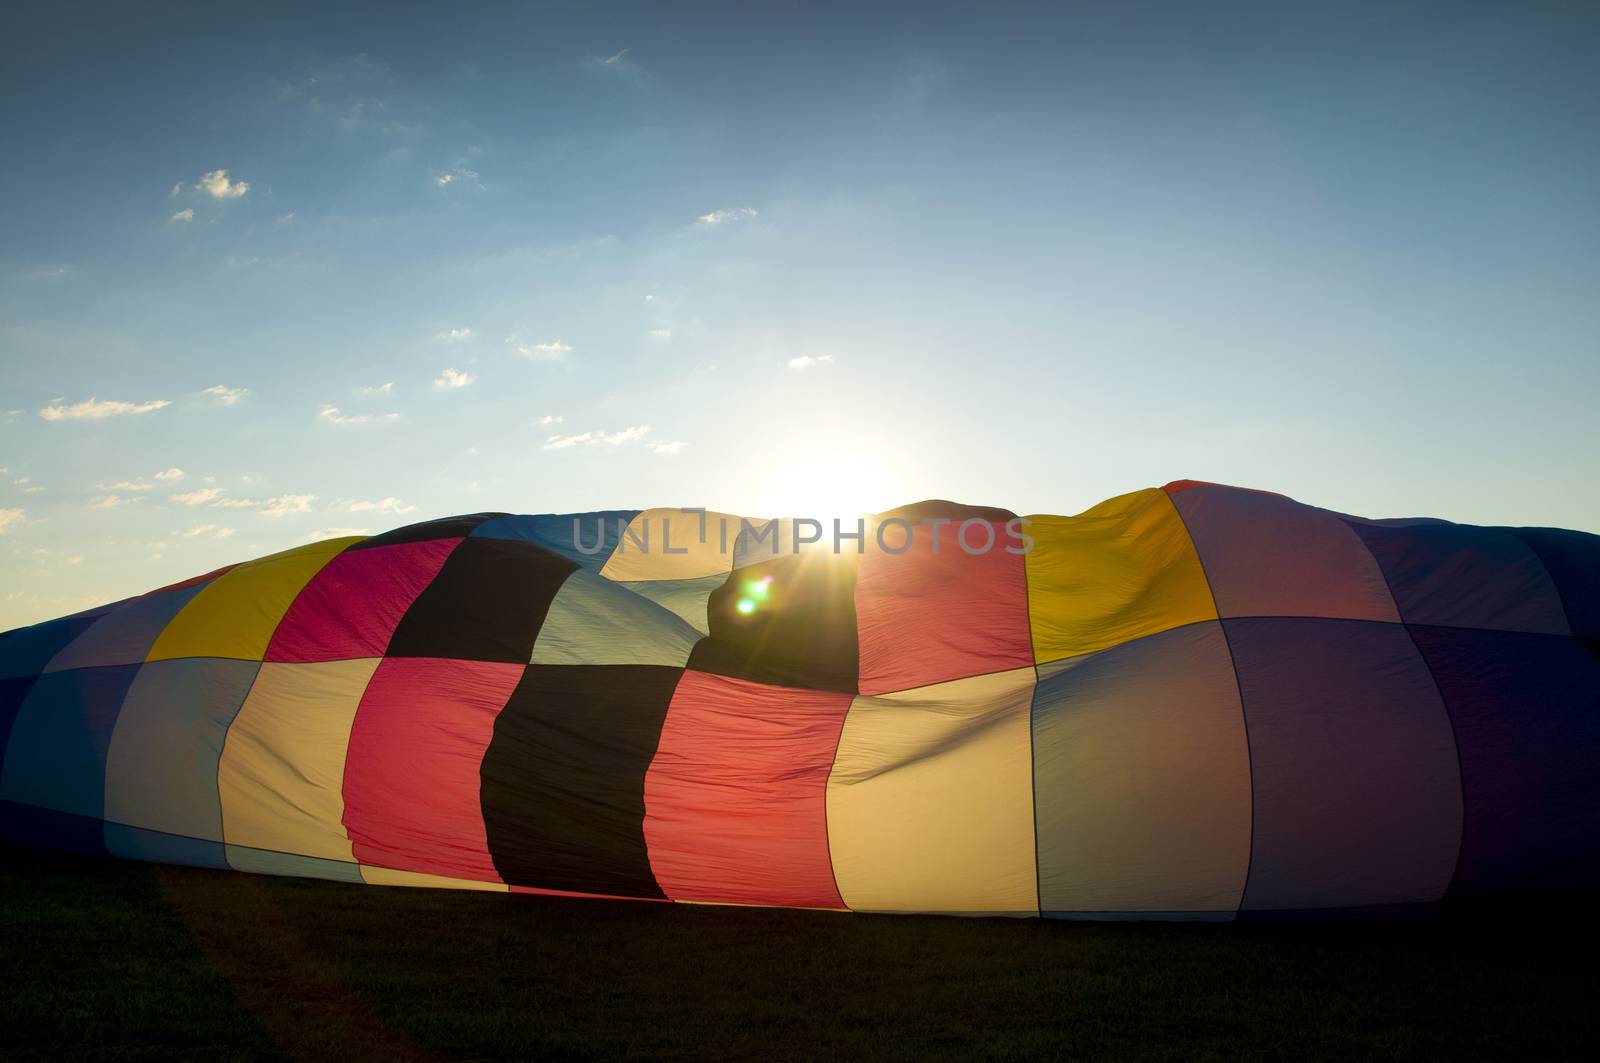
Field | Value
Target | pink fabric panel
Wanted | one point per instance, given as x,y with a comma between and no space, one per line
735,798
351,607
411,774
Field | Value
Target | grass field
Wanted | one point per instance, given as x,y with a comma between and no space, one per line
111,960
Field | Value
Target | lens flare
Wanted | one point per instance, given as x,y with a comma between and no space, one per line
745,606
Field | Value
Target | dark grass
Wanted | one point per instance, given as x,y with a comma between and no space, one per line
110,960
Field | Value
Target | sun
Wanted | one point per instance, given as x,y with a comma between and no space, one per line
827,483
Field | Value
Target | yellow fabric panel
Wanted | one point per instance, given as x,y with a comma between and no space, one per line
388,876
930,800
642,552
237,613
281,778
1123,569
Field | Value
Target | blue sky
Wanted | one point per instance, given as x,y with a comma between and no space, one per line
377,266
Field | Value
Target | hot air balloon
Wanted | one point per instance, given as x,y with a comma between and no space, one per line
1191,702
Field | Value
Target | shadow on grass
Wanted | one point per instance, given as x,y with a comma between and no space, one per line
103,959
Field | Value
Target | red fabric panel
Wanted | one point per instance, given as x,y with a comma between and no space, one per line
352,606
926,617
735,799
586,896
411,773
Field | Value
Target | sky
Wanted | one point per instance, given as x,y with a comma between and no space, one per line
270,275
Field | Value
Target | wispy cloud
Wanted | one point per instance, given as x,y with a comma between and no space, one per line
126,485
73,561
217,185
550,419
272,507
631,434
226,396
94,409
382,505
721,217
284,219
661,333
458,176
614,58
549,350
214,531
182,215
806,361
177,188
453,380
332,415
12,518
668,448
455,334
336,533
170,474
114,501
381,389
197,497
28,487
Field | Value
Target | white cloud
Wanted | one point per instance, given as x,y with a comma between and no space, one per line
114,501
10,518
75,559
598,439
551,419
217,185
453,379
668,448
126,485
649,298
198,497
382,505
454,334
615,58
806,361
29,487
177,187
337,533
551,350
718,217
333,416
272,507
226,396
93,409
284,219
381,389
182,215
661,333
170,474
460,176
214,531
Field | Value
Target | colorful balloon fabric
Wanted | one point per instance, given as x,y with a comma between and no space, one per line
1190,702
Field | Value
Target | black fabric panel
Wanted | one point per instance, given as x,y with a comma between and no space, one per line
443,528
563,777
1526,712
803,634
486,604
1573,561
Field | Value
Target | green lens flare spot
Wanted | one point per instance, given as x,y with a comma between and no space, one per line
757,589
745,606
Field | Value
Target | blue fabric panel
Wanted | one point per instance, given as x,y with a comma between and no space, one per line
598,532
1457,575
1526,710
1357,793
161,768
44,828
57,754
13,692
156,847
126,634
1573,561
27,650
